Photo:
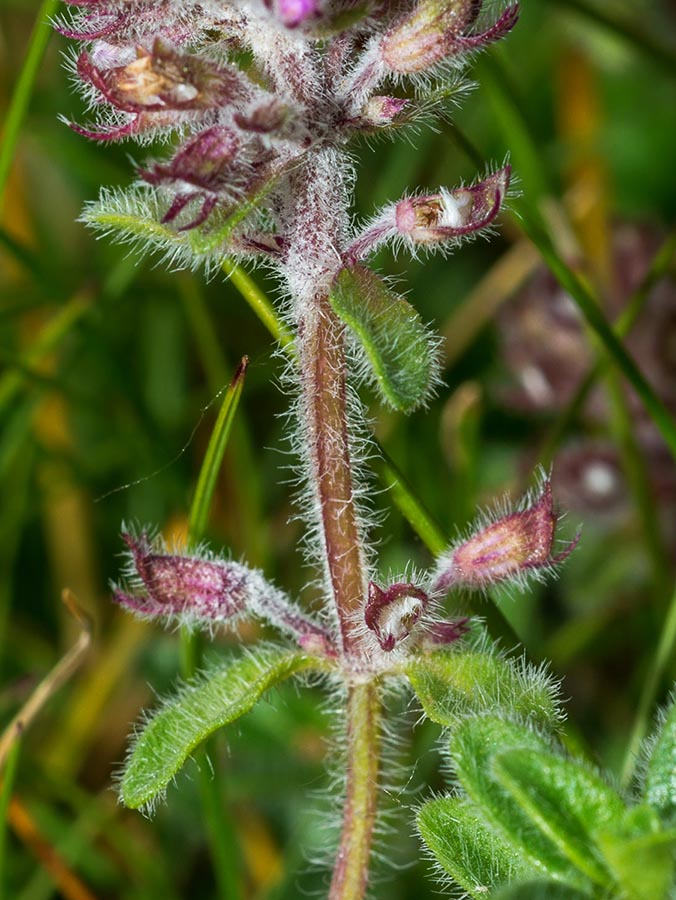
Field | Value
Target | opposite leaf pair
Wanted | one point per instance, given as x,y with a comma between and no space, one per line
205,592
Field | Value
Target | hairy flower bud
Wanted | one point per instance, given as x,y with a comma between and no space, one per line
293,12
205,592
510,547
381,111
452,214
203,167
436,220
437,29
391,614
172,585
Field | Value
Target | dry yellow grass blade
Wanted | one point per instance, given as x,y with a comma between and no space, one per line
61,672
26,829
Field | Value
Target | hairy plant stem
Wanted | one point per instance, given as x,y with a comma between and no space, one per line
321,211
323,374
350,873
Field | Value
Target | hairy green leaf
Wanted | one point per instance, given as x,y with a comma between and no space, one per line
472,854
400,350
660,776
450,683
474,746
540,890
639,854
218,697
567,801
134,216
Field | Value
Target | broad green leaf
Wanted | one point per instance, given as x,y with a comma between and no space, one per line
473,855
474,747
640,854
565,800
540,890
660,777
449,683
400,350
218,697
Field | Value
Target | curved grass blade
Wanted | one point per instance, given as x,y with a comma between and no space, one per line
591,311
39,39
206,482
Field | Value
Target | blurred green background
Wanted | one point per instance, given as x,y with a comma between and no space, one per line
110,366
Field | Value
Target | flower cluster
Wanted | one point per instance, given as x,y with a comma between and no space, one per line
246,92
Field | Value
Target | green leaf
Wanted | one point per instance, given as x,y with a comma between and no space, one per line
450,683
134,216
472,854
640,854
220,696
565,800
474,747
660,777
540,890
400,350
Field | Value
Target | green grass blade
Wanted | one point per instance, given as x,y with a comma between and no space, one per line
621,326
630,29
206,482
39,39
221,830
661,659
258,301
6,786
52,334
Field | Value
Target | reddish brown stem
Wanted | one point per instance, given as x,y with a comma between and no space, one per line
323,376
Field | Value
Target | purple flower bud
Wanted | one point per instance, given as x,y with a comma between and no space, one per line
294,12
508,548
201,592
452,214
381,111
264,118
391,614
184,587
205,163
437,29
163,80
435,220
441,633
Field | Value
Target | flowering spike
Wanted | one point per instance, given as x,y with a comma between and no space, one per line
508,548
391,614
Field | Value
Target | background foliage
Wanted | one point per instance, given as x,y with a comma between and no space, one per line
109,369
